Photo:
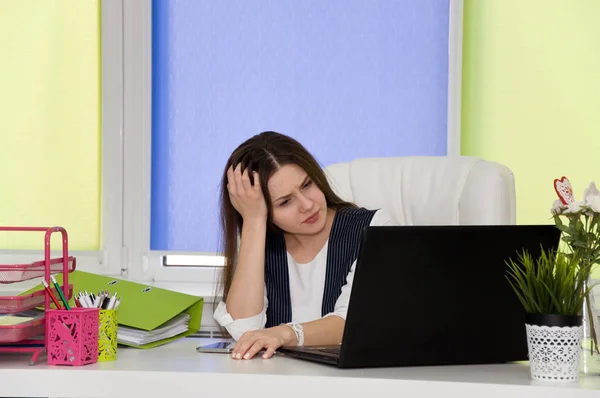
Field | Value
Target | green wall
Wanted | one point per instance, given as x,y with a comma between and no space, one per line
531,94
50,120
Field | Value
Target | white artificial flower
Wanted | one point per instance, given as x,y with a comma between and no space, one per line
591,190
592,197
574,207
557,207
593,202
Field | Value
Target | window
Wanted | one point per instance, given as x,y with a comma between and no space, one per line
61,123
201,76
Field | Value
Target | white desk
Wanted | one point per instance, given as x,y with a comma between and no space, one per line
177,370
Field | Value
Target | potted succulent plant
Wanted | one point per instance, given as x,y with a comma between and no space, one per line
551,289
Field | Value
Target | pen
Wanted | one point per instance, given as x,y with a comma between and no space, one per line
88,301
56,303
111,303
60,293
98,300
80,297
104,300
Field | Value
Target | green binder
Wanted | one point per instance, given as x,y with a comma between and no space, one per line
142,307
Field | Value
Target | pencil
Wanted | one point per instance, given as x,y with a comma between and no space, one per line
56,303
60,293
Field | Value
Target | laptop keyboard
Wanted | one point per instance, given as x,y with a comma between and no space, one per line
334,349
330,350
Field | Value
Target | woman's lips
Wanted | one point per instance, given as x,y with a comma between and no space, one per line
312,219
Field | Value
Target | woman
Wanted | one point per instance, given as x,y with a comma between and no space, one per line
290,281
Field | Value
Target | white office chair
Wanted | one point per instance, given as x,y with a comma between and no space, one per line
429,190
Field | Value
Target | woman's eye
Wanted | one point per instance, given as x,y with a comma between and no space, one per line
307,184
284,203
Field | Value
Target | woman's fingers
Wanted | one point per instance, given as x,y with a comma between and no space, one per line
231,187
256,347
237,177
252,343
242,345
230,181
269,351
246,180
235,183
247,199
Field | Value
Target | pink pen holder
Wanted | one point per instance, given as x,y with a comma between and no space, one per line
72,336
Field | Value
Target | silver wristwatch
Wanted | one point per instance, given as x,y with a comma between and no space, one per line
299,331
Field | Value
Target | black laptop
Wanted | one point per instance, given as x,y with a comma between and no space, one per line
434,295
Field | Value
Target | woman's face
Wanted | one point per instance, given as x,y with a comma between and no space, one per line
299,206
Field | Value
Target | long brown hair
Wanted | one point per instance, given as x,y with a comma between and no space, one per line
264,153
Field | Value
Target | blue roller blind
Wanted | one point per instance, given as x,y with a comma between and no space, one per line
347,78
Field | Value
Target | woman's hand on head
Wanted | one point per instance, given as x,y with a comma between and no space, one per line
251,343
246,198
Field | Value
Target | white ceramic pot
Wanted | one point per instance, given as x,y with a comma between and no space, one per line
554,352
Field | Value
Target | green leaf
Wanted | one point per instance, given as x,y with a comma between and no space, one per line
558,222
579,243
520,296
552,283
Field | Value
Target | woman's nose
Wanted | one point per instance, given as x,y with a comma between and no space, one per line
306,204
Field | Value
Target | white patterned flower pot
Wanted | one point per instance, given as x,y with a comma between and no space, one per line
554,351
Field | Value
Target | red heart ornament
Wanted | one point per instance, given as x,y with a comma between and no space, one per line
564,190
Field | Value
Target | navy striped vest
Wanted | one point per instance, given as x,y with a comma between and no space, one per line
342,251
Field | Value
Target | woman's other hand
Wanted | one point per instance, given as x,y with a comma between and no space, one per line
268,339
246,198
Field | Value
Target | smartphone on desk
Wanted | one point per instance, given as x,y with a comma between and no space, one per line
222,347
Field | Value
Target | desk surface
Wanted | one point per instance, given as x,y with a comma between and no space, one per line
176,369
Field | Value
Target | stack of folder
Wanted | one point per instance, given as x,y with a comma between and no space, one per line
138,337
148,316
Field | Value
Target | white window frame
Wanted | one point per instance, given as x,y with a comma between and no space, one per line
147,265
455,40
106,260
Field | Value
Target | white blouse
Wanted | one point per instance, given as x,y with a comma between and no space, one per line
307,284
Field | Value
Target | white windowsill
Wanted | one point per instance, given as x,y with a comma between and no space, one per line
204,290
